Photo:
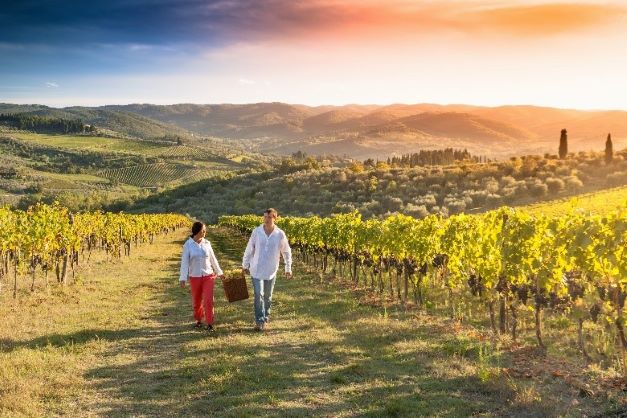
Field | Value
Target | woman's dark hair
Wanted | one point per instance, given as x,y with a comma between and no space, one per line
196,228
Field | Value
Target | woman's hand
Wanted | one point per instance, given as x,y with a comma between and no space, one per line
221,277
182,284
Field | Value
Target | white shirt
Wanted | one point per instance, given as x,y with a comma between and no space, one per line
198,260
263,252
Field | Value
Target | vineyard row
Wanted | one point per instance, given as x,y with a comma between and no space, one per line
507,261
50,238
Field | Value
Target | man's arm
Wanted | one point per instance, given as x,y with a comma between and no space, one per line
286,251
249,252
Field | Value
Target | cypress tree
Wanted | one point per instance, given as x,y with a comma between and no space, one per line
563,151
609,149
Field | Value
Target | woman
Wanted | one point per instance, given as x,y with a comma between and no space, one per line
200,266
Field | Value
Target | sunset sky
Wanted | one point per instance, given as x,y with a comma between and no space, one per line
569,54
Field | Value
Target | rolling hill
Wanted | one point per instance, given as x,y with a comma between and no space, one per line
116,123
360,131
378,131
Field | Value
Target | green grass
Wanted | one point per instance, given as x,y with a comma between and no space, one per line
596,203
92,143
119,343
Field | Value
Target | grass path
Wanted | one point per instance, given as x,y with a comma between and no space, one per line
121,344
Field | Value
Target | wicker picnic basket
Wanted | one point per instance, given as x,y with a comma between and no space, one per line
234,284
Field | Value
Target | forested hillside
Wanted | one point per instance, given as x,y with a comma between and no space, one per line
376,192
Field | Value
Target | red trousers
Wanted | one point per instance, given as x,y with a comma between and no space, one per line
202,290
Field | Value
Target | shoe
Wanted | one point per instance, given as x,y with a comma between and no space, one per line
258,327
210,328
198,324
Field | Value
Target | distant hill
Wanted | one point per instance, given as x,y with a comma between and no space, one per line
373,131
463,126
124,123
229,121
361,130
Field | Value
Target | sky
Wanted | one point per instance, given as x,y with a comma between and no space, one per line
569,54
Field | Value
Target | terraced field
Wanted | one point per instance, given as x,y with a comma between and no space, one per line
150,174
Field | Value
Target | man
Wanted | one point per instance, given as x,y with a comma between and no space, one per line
267,242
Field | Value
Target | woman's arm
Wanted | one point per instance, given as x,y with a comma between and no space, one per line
184,265
214,262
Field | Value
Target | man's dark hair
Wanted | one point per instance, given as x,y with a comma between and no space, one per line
272,211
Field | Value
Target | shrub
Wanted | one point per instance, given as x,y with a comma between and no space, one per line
490,184
393,204
555,185
538,189
562,171
573,183
427,200
507,181
343,207
493,200
417,211
455,205
478,196
618,178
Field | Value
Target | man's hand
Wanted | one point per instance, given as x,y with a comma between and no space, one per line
245,271
182,284
288,275
221,277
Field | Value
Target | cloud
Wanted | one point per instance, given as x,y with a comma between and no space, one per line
51,84
250,20
141,24
246,82
542,19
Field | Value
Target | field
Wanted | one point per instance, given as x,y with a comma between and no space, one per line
92,143
160,174
118,343
597,203
113,168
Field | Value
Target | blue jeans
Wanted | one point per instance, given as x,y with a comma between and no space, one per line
263,299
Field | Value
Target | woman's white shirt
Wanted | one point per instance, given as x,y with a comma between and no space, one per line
198,260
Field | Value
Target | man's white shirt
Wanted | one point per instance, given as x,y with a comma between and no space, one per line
263,253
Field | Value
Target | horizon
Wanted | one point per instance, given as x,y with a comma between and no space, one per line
313,105
493,53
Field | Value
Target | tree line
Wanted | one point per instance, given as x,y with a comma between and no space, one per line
430,157
45,124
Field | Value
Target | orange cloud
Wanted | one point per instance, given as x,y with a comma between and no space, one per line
341,19
542,20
